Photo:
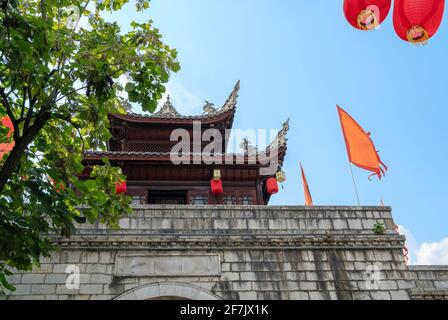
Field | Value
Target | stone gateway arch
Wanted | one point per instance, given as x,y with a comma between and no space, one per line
167,291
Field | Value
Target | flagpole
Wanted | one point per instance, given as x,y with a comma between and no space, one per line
354,182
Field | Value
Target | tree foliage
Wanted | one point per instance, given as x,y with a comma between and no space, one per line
63,68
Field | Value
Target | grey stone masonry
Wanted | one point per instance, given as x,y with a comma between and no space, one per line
234,252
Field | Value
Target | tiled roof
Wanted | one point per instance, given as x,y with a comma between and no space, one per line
144,150
168,111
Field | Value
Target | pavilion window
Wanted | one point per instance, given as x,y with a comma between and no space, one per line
199,200
167,197
137,199
230,200
246,200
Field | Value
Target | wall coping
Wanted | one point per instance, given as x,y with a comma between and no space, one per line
428,268
258,207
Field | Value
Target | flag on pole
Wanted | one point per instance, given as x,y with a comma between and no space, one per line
306,189
360,148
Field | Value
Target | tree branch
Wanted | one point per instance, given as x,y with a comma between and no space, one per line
8,108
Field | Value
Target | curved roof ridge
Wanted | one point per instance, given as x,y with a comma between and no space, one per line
168,111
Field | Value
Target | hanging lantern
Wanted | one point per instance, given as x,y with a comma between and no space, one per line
366,14
280,176
216,186
216,174
120,187
416,21
6,147
272,185
59,186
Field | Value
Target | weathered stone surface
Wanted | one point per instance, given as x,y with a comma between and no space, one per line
167,265
236,252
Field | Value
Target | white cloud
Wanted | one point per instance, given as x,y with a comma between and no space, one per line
426,253
185,102
433,252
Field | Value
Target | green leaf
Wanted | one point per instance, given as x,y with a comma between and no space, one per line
129,87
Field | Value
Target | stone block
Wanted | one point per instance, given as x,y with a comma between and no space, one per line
14,278
61,289
43,268
43,289
167,265
22,289
299,295
91,289
99,278
92,257
248,276
251,295
96,268
355,224
124,223
317,295
105,257
361,295
33,278
380,295
235,256
388,285
368,223
308,285
277,224
399,295
241,286
340,224
232,276
441,284
55,278
403,284
324,224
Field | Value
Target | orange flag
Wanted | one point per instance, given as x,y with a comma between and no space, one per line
6,147
360,148
306,189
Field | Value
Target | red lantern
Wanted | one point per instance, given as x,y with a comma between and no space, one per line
6,147
120,187
216,186
417,21
366,14
272,185
58,186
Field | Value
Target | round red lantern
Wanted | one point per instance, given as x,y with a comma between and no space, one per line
59,186
216,186
272,185
120,187
366,14
6,147
417,21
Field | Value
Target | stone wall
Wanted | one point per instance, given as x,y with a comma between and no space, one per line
428,282
235,252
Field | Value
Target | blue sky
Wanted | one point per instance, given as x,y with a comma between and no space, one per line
299,59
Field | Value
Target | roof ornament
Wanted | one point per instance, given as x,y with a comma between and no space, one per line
281,139
209,108
232,100
248,148
167,110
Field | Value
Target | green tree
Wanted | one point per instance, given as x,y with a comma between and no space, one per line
63,68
